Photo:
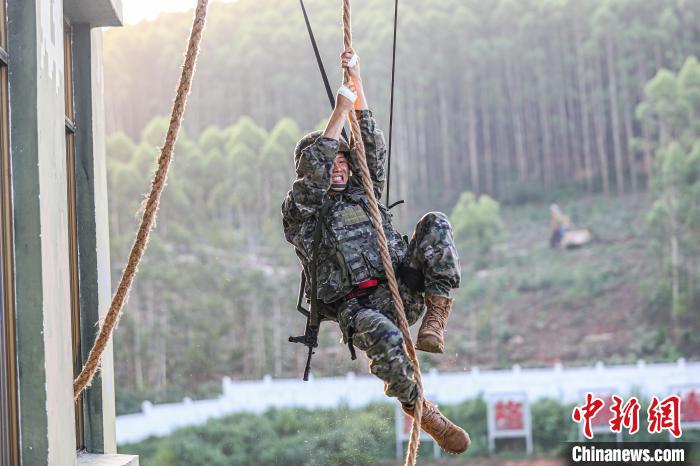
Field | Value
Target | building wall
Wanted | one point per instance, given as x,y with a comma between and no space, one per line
22,45
107,441
101,234
58,362
37,133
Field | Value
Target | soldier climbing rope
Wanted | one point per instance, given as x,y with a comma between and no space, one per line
309,339
151,204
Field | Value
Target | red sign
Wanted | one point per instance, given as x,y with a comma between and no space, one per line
407,424
509,415
604,416
690,404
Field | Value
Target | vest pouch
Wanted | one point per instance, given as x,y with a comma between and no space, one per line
343,268
358,269
373,259
360,255
352,231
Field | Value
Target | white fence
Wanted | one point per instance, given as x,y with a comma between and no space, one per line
564,384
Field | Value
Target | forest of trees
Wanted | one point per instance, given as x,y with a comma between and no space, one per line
499,97
214,287
670,112
520,100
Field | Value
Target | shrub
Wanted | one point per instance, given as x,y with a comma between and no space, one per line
477,227
551,425
280,436
471,415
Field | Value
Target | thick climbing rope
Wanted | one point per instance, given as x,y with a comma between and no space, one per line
375,216
84,379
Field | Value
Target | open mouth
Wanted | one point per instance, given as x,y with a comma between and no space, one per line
337,179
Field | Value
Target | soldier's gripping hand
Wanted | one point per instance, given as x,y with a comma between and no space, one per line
343,105
352,65
351,62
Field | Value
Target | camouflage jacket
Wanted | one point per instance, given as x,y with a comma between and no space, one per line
348,251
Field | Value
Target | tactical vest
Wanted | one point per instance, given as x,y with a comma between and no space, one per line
350,253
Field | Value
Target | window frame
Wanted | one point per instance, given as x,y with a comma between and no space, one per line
72,199
9,412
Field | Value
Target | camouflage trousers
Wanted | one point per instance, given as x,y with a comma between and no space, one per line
369,320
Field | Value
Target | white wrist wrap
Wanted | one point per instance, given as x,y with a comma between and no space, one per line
353,60
347,93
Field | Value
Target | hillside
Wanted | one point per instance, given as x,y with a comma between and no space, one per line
537,305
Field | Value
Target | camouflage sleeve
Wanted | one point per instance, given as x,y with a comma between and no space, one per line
313,172
375,149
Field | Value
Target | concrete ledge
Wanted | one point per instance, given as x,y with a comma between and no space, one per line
94,12
90,459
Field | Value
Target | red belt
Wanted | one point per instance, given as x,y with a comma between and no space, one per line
371,283
363,288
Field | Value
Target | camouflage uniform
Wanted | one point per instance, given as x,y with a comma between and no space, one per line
348,253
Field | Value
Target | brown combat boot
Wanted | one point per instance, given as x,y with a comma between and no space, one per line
449,436
430,334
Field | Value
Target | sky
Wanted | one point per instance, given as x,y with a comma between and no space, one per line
139,10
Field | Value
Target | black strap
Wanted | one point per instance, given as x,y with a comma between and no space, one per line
351,345
319,61
412,278
391,101
300,298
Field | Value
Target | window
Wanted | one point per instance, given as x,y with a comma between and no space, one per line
9,424
73,224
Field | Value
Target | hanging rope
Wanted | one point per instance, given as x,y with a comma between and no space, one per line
375,216
151,204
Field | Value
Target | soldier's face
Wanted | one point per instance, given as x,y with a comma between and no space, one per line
340,173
